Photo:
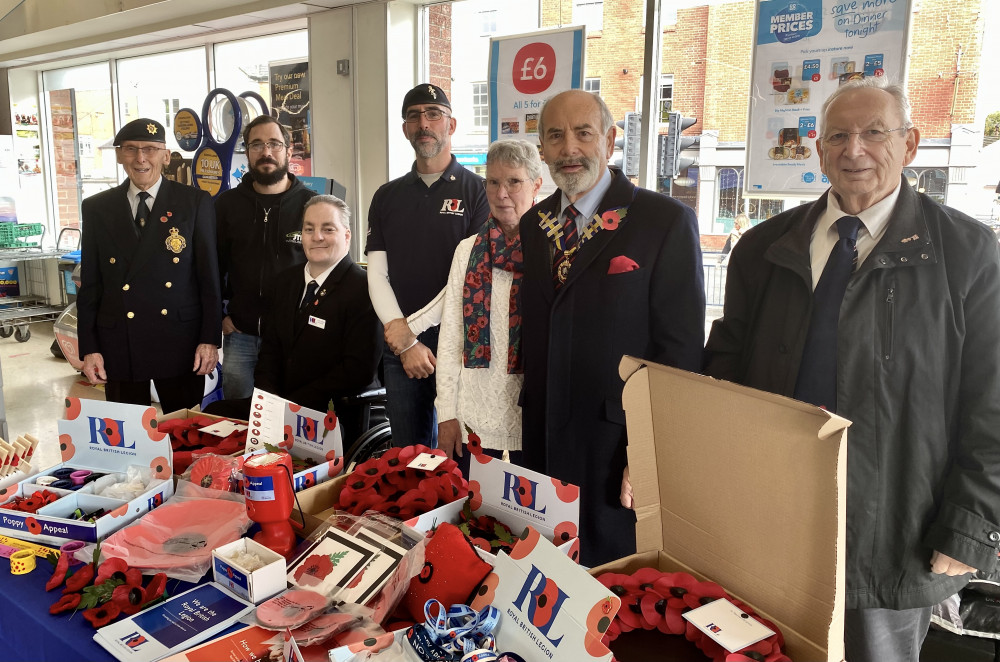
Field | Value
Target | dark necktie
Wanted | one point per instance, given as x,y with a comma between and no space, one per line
141,212
560,267
817,380
310,296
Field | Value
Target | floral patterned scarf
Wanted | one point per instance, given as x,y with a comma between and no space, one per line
491,249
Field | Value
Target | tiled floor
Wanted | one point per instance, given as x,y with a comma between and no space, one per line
35,385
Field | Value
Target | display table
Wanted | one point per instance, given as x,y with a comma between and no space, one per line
31,633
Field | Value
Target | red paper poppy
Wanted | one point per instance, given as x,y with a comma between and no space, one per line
213,472
128,599
65,603
102,615
289,439
59,575
32,525
116,568
610,219
330,422
154,590
314,570
475,444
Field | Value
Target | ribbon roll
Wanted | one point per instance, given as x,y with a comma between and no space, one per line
45,481
79,476
62,484
22,562
65,472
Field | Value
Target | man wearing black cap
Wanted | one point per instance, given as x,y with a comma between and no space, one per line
414,224
149,303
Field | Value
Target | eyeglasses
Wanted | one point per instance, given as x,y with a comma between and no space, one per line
432,114
871,136
257,147
131,151
512,185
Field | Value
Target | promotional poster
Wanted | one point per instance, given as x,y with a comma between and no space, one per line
803,51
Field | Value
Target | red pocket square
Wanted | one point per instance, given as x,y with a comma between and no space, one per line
621,264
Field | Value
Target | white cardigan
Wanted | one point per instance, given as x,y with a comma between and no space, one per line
485,399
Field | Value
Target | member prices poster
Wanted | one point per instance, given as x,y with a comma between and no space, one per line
289,81
527,69
804,50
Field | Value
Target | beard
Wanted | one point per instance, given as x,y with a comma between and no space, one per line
269,178
579,182
427,150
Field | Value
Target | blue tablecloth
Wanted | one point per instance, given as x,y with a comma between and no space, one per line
29,633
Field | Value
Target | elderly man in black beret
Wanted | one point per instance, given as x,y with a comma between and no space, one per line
149,304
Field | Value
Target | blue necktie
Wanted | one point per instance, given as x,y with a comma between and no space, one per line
817,380
141,213
309,297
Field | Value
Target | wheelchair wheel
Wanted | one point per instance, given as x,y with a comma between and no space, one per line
372,443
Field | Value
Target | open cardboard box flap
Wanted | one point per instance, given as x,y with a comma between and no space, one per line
744,488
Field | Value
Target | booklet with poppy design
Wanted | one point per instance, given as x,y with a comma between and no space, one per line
172,626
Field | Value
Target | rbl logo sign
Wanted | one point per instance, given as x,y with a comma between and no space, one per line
306,428
545,599
522,491
534,68
133,640
107,431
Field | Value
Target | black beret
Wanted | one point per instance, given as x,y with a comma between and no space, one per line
425,93
142,129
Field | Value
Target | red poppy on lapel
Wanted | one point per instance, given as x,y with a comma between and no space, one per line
621,264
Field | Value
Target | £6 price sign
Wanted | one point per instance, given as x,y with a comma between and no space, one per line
527,69
534,68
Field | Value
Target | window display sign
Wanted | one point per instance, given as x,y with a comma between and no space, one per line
527,69
805,49
290,104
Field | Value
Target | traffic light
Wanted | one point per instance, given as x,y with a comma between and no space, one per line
628,142
673,143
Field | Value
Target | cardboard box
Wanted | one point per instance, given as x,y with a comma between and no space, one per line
743,488
549,608
317,502
105,437
517,497
305,433
255,586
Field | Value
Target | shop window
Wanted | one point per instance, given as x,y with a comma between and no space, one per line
666,96
931,181
590,13
592,85
255,65
731,201
480,105
170,108
81,130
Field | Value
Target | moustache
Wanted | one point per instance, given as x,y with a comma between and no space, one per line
561,163
266,160
423,133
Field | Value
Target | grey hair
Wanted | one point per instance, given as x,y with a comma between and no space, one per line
516,154
607,119
895,90
333,201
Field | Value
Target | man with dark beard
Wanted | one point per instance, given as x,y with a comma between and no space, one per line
259,226
609,269
414,224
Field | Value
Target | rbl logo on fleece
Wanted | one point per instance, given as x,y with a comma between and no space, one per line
522,491
544,599
107,431
452,206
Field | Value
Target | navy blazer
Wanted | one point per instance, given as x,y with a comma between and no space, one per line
574,338
146,304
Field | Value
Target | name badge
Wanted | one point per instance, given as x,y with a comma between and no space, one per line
319,323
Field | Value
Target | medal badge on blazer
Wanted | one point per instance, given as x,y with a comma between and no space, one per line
550,224
175,242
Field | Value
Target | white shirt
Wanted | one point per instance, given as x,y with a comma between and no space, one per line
133,195
874,221
587,203
320,279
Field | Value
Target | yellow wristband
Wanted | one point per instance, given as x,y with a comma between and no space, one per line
22,562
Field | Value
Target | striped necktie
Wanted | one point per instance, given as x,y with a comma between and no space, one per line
563,261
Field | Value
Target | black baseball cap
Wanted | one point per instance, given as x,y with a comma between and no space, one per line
143,129
425,93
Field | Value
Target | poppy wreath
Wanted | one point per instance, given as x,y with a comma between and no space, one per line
386,485
485,531
116,590
655,600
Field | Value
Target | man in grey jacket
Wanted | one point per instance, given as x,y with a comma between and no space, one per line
905,343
